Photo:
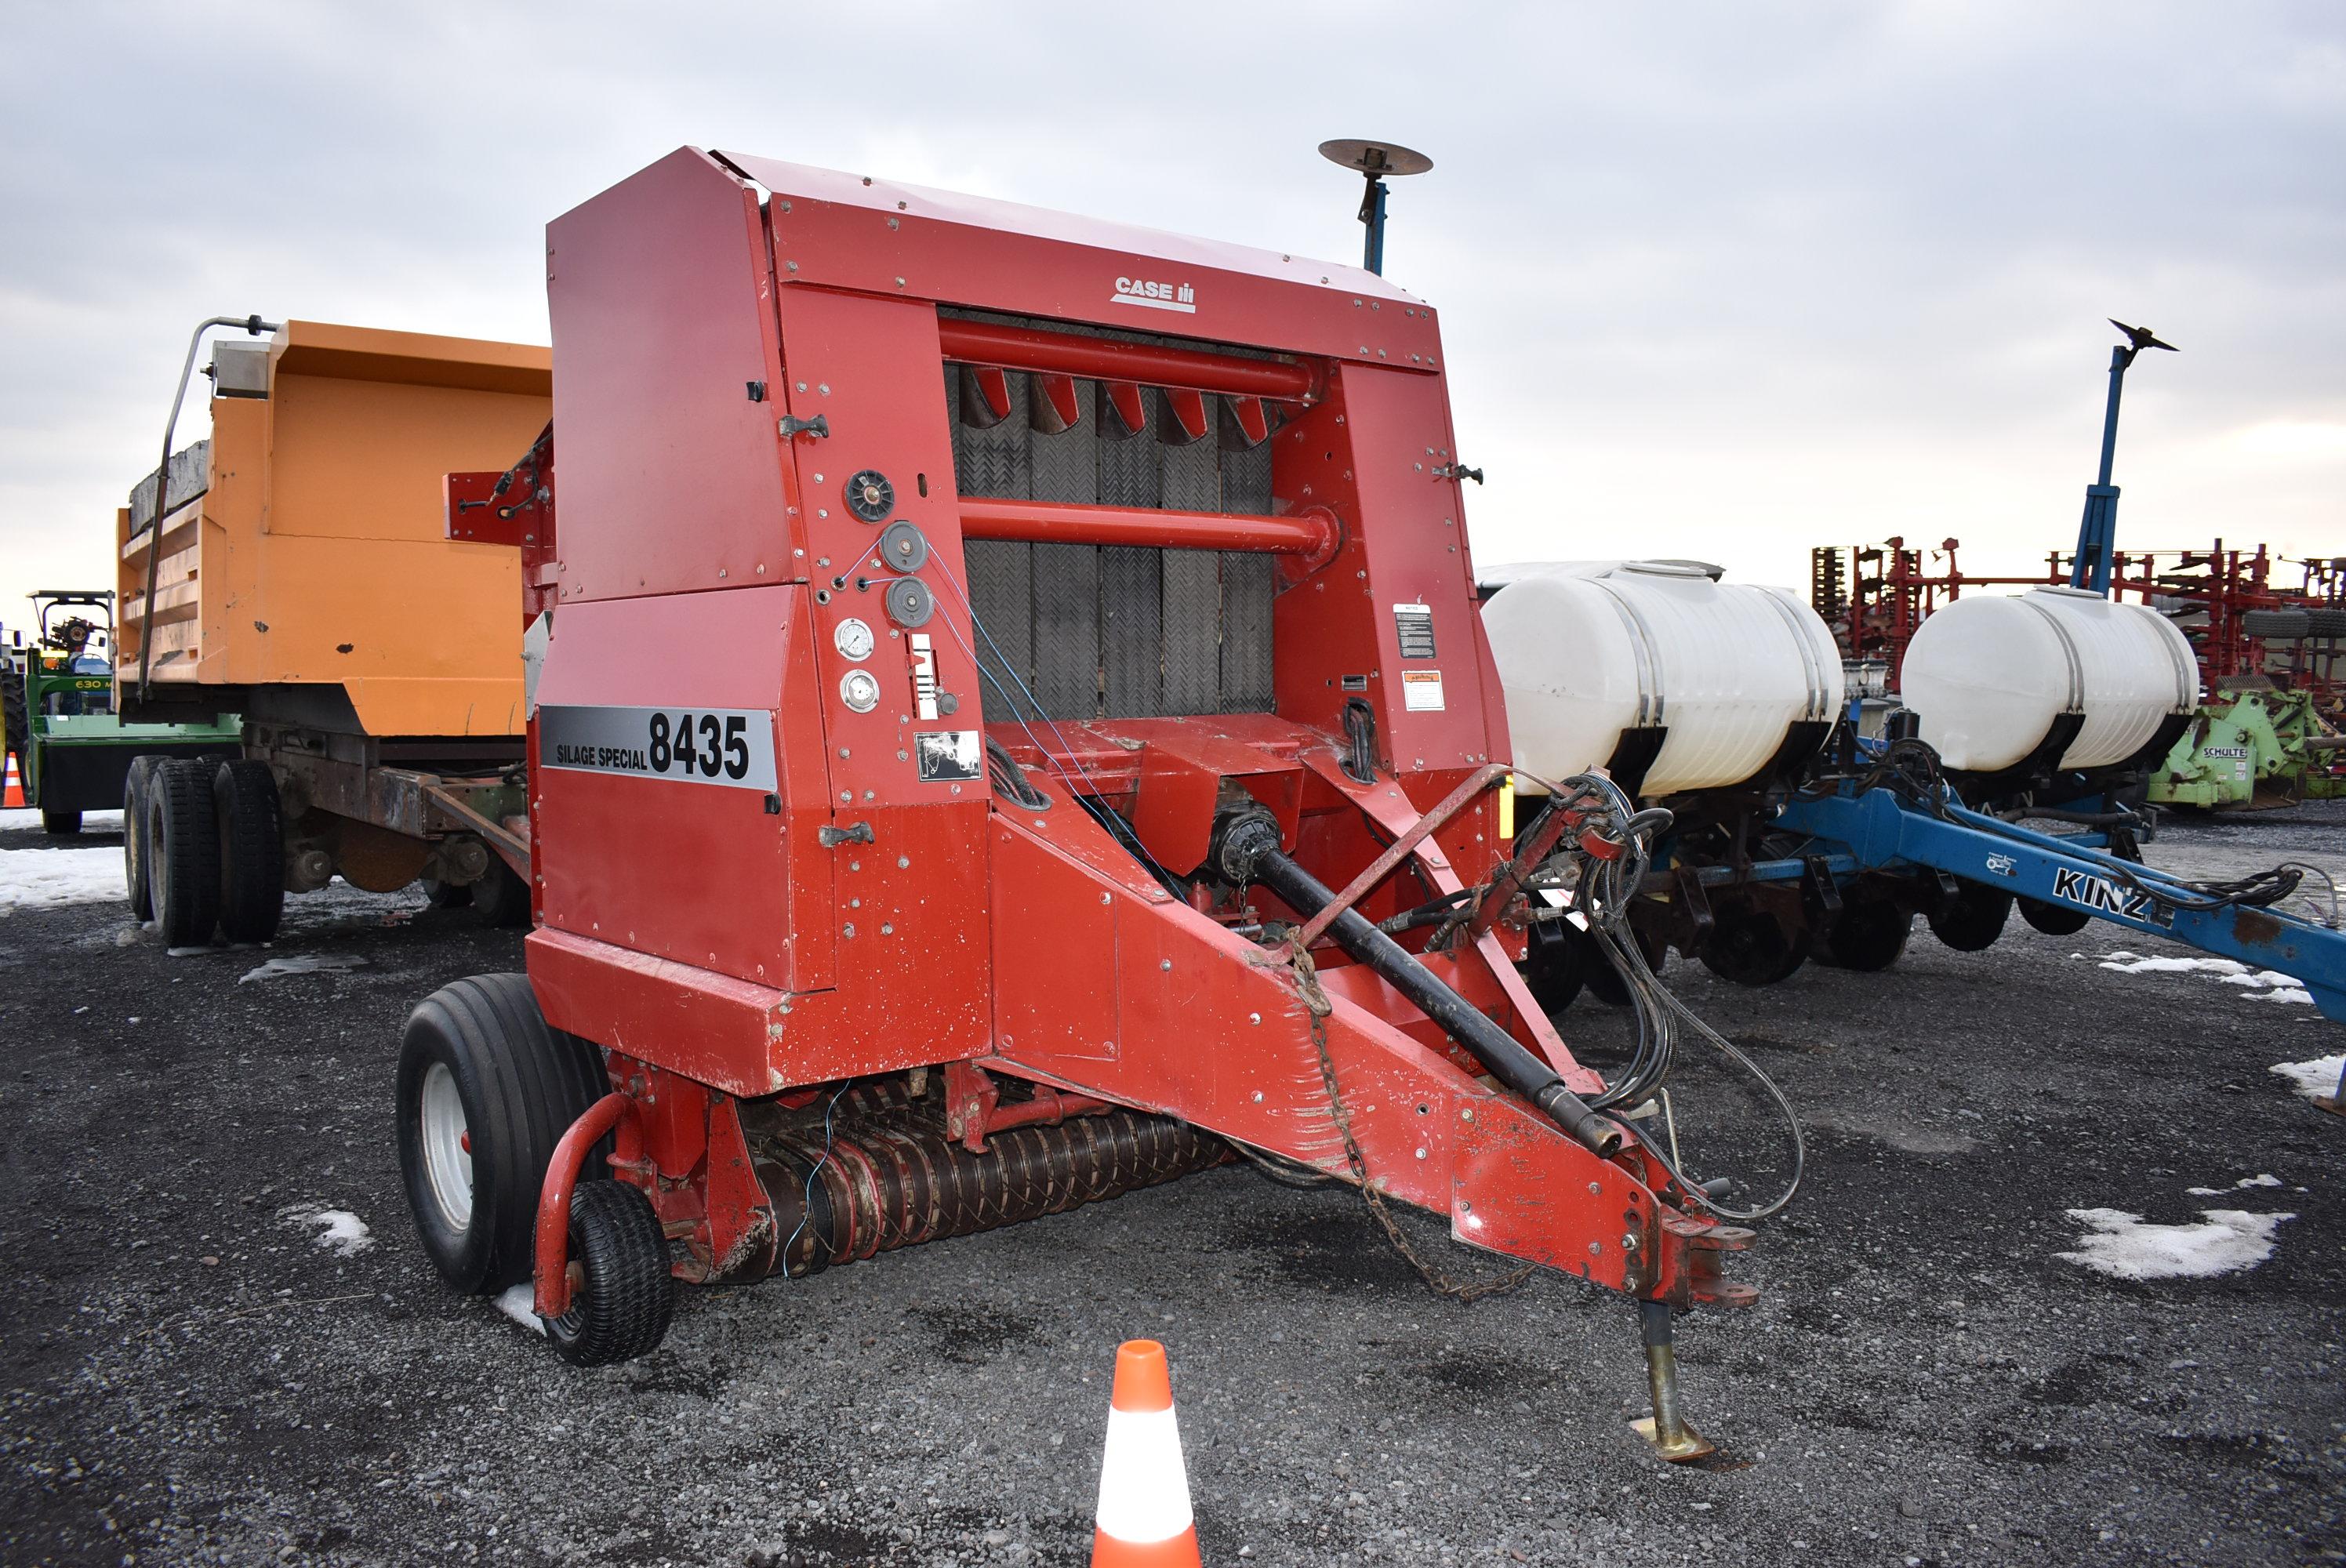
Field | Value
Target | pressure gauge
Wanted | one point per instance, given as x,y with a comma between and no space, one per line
858,689
853,639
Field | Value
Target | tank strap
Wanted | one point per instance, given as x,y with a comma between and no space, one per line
1810,664
2076,703
1648,652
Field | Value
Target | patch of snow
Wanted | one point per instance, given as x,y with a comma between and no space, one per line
2257,985
2126,1246
2261,1179
304,964
45,878
30,816
338,1229
515,1304
2317,1079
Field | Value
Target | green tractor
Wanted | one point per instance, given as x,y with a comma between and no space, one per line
57,718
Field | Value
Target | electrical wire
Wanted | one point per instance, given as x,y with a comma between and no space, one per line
814,1174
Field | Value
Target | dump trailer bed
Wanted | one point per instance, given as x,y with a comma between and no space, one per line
301,579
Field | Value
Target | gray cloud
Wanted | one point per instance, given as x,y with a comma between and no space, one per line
1715,280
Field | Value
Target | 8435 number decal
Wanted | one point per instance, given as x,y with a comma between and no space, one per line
701,746
720,746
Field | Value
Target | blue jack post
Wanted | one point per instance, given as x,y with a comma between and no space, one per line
2098,535
1375,160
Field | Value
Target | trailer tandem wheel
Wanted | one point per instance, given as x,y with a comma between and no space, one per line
183,840
138,848
620,1306
252,849
484,1091
502,898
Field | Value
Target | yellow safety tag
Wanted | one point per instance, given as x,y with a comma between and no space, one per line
1507,807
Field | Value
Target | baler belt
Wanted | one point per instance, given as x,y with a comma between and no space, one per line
1118,632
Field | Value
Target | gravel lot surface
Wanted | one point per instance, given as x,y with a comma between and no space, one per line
194,1370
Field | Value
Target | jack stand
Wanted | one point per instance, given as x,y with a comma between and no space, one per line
1666,1429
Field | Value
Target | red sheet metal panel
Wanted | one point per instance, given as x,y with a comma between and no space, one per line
673,473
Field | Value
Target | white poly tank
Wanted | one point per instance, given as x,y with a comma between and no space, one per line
1589,653
1987,676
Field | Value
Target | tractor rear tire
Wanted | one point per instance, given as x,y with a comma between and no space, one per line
1867,936
137,847
60,824
620,1309
184,865
1972,919
2053,920
252,849
1751,947
483,1093
501,897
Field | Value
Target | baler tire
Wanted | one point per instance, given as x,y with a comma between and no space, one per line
1557,955
1972,920
501,897
138,848
184,864
519,1085
1752,948
252,849
447,895
60,824
1866,937
2053,920
620,1308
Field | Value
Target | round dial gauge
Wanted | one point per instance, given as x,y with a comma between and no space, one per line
859,690
853,639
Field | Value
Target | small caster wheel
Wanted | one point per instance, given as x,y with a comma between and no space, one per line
620,1304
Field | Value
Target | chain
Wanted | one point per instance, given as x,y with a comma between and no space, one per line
1316,1004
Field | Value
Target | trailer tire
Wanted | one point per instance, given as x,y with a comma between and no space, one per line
1556,963
447,895
484,1091
59,824
1752,947
501,897
1972,919
138,848
252,849
620,1308
1867,936
2053,920
184,864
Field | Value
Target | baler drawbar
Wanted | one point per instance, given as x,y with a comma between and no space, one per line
1012,690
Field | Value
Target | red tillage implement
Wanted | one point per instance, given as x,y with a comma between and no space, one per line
981,640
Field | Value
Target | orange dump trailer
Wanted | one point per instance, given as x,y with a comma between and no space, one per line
302,578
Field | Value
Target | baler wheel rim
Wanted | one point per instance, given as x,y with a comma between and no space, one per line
445,1143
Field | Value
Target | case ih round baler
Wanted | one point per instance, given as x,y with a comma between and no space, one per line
1016,724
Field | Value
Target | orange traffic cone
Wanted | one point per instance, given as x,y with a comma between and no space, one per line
1143,1519
15,794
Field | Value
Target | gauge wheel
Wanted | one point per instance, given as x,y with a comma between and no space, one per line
1751,947
1972,919
622,1293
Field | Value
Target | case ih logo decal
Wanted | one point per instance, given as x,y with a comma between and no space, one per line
2106,897
1156,296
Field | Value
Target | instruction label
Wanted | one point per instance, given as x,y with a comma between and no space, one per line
731,747
1421,691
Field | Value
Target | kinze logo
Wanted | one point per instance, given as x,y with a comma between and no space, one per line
1179,297
2106,897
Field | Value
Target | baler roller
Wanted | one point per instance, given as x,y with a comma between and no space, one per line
879,1185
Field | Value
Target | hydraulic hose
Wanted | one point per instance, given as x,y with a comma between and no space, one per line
1509,1061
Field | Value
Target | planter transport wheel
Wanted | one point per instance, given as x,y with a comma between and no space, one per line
1753,948
1972,919
138,848
2052,920
183,864
253,850
484,1091
1867,935
1556,963
58,824
623,1293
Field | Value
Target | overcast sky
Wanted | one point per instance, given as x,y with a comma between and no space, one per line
1718,279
